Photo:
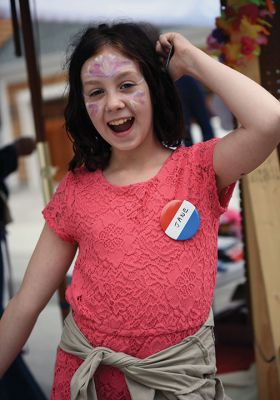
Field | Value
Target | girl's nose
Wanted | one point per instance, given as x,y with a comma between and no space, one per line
113,102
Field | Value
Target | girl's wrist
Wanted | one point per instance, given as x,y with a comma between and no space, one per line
201,66
191,60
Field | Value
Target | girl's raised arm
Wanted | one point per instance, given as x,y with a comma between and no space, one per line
48,265
257,111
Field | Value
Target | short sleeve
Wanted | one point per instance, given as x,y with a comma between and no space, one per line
218,202
59,212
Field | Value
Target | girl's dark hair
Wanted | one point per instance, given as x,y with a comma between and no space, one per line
137,42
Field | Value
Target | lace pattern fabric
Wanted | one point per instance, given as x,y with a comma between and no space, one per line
132,286
109,382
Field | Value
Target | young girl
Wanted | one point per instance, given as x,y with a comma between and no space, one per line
143,281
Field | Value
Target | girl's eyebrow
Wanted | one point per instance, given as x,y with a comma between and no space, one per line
120,75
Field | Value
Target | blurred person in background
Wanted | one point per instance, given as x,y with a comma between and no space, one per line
194,108
18,382
8,164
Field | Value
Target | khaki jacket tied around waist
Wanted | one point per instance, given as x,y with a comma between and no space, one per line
185,371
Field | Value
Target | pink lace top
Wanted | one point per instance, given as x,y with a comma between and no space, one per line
133,288
130,279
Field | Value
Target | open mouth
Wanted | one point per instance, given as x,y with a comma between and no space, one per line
121,125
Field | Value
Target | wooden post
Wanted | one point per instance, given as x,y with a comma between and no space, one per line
261,212
261,192
261,200
34,79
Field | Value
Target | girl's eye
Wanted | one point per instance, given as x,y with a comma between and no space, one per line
96,92
127,85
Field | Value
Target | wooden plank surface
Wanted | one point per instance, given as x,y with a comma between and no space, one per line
261,194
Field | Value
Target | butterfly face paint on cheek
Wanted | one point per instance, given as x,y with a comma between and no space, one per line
106,66
92,109
137,98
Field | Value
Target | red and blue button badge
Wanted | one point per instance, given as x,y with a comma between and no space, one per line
179,219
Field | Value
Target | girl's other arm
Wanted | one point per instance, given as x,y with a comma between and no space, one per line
47,267
258,112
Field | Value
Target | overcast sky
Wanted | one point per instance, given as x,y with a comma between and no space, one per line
185,12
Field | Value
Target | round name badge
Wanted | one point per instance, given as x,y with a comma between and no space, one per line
179,219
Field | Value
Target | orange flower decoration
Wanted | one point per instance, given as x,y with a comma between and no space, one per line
241,30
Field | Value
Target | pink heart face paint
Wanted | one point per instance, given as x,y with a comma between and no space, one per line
137,98
92,108
106,66
117,97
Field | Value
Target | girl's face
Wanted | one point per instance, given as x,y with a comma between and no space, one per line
117,99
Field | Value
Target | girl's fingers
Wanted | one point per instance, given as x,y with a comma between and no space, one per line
161,50
165,40
163,55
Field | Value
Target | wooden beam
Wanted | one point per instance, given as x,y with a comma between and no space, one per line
261,200
261,190
34,79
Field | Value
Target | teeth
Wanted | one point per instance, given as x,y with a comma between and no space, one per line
120,121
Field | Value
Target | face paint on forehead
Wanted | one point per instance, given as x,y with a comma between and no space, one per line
105,66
